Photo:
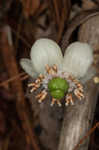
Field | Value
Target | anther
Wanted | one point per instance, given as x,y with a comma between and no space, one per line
78,93
59,103
53,101
54,68
41,96
69,99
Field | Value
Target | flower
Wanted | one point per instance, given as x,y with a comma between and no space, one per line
48,65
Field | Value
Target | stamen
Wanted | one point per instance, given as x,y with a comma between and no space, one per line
55,68
41,76
79,86
33,89
31,84
69,99
36,84
38,80
79,94
51,70
59,103
41,96
74,86
70,78
79,91
53,101
47,68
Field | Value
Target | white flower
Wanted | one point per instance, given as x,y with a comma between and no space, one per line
59,73
76,61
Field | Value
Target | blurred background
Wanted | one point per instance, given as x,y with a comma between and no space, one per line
21,23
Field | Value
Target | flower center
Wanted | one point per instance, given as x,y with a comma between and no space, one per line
59,84
58,87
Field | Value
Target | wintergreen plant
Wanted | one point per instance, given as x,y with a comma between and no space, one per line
60,74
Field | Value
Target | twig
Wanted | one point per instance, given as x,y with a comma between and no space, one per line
14,78
86,136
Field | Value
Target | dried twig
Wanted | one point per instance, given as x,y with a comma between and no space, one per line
86,136
14,78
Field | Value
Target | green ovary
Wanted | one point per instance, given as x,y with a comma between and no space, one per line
57,87
58,94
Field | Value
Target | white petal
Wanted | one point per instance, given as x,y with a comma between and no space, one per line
27,66
78,58
45,51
